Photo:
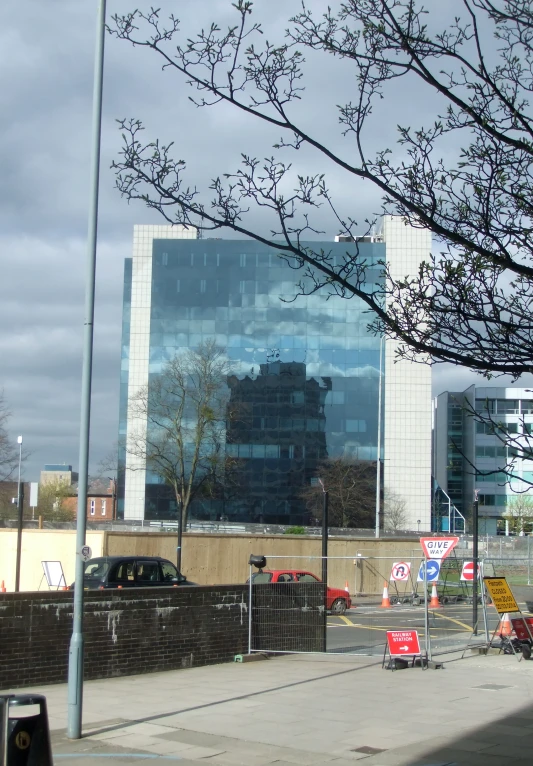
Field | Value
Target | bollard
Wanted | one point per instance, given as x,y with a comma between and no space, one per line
24,734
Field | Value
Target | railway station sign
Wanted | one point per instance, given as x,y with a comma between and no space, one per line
438,547
501,594
403,643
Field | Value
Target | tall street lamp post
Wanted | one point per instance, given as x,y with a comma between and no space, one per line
475,557
75,658
378,455
20,511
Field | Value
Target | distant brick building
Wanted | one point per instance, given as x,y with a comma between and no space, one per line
100,503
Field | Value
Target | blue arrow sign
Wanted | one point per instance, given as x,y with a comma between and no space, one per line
432,571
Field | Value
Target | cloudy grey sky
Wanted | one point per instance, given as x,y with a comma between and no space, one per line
46,60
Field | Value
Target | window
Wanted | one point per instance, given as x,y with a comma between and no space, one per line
164,259
260,577
493,500
507,406
492,428
356,426
485,405
104,503
169,571
124,572
93,507
178,285
526,407
147,571
285,577
489,451
498,476
306,577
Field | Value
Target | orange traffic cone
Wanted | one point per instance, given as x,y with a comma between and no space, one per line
385,601
505,628
2,587
347,587
434,603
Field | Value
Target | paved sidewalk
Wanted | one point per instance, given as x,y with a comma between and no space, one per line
299,710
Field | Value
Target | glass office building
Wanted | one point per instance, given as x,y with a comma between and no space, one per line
304,370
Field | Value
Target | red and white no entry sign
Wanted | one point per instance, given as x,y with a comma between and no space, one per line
403,643
400,571
467,573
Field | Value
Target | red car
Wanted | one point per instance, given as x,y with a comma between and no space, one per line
337,600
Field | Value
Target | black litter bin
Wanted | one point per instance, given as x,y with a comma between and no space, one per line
24,731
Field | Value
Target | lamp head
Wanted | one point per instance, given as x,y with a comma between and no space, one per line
19,439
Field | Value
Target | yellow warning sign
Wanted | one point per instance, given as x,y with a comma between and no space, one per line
501,594
22,740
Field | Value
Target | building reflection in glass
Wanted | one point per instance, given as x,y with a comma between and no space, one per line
276,432
304,372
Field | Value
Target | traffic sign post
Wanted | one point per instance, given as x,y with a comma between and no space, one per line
438,547
432,572
400,571
501,595
467,572
505,603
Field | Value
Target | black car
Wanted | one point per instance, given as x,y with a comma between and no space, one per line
131,572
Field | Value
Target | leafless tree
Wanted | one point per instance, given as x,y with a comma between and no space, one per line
185,409
9,452
465,175
394,512
351,487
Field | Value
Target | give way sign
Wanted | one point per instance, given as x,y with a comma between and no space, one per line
403,642
467,573
438,547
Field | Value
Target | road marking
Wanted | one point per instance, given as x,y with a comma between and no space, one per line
345,619
451,619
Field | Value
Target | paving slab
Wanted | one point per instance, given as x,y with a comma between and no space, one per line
305,711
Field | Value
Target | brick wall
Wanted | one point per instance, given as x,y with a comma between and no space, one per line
126,631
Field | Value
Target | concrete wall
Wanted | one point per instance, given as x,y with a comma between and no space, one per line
210,559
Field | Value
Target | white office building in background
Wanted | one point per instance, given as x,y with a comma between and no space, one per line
180,289
469,455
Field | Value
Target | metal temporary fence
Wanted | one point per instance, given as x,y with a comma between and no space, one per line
296,614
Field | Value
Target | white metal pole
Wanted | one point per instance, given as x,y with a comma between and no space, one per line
76,650
20,521
378,456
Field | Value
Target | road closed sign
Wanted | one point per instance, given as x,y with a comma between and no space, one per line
438,547
467,573
501,594
403,643
400,571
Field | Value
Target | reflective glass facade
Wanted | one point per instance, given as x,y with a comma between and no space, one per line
304,373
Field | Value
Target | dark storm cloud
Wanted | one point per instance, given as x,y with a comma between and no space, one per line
46,58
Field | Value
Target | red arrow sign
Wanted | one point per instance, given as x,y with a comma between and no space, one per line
468,571
438,547
403,642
